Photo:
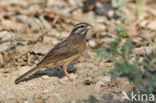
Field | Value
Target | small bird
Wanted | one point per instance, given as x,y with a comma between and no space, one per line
64,52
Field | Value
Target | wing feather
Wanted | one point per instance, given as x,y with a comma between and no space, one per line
68,48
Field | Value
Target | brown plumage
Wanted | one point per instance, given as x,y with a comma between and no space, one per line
63,53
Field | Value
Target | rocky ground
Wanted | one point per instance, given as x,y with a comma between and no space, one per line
29,28
48,86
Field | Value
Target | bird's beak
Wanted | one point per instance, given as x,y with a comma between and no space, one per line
89,27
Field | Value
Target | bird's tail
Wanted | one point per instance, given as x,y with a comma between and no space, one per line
27,74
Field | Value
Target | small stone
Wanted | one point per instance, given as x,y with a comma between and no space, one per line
143,23
41,48
92,43
25,101
62,35
152,25
100,27
45,23
35,24
99,5
45,77
72,2
88,82
7,35
21,18
50,40
110,13
11,24
100,19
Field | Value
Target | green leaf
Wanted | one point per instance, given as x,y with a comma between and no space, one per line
126,49
121,30
103,52
92,99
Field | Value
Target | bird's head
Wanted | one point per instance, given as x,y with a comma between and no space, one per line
81,29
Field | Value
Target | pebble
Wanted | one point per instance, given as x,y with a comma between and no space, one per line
152,25
11,24
92,43
7,35
21,18
110,13
35,24
40,48
143,23
72,2
61,35
45,77
45,23
50,40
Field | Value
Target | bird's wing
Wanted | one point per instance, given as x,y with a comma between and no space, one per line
63,50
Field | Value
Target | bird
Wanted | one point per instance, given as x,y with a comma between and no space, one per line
64,52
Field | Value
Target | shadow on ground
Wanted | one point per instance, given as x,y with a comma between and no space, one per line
52,72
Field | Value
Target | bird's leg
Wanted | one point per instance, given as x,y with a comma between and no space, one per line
64,68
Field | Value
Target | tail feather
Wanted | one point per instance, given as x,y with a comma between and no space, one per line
25,75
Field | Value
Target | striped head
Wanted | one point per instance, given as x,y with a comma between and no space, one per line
81,29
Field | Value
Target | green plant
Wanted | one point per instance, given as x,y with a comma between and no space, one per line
149,75
112,52
141,73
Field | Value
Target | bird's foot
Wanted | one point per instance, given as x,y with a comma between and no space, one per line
67,75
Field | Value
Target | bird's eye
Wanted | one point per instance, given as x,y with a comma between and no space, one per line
82,26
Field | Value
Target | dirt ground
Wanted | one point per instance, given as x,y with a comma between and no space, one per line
49,87
29,28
